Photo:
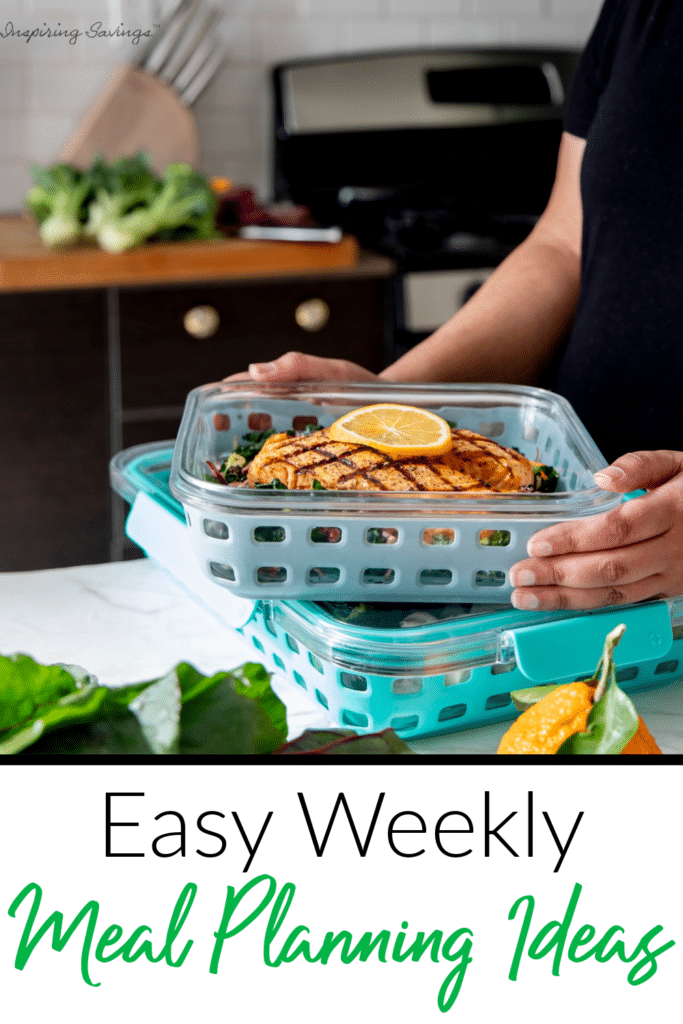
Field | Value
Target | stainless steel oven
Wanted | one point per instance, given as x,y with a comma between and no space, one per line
442,158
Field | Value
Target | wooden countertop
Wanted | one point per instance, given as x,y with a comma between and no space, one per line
27,265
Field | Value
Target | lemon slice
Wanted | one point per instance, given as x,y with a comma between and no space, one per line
398,430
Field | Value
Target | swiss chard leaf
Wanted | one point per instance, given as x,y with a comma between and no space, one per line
183,712
112,736
229,713
344,742
157,709
78,706
251,680
219,720
27,687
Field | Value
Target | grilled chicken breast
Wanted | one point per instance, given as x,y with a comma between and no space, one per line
502,469
474,464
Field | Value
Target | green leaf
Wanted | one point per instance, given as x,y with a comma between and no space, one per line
182,712
112,737
219,720
193,683
345,743
26,687
524,699
612,722
253,681
230,713
74,707
494,538
157,709
274,485
546,479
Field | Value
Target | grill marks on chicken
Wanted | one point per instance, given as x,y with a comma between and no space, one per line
502,469
474,464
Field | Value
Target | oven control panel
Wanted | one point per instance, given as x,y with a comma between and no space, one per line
430,298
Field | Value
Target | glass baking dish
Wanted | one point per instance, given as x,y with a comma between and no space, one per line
376,545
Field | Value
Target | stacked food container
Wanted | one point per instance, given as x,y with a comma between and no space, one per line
390,609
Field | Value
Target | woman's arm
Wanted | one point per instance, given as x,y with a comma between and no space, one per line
509,329
511,326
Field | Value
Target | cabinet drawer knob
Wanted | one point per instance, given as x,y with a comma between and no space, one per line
312,314
201,321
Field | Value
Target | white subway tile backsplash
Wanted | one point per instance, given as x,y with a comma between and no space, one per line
235,166
132,13
108,52
13,74
280,8
238,38
236,85
344,7
11,9
45,84
431,8
550,32
226,131
461,32
15,47
55,88
12,135
580,8
379,34
507,9
52,7
281,40
44,135
15,181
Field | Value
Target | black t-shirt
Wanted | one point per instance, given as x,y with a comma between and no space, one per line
622,368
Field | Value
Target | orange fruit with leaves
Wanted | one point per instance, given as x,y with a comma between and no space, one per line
591,716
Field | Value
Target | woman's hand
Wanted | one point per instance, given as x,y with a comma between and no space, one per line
630,554
294,366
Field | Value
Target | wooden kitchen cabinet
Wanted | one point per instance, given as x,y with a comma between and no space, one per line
85,373
161,361
54,430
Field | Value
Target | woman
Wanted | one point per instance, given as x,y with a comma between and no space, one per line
593,298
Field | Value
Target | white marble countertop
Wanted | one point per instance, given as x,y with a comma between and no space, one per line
129,621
